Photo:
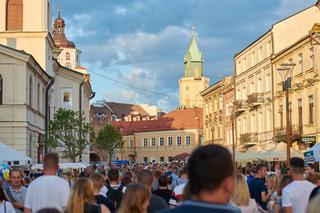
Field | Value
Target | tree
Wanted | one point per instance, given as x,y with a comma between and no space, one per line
70,132
109,139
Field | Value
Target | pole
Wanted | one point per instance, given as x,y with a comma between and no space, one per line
233,142
80,112
47,115
288,129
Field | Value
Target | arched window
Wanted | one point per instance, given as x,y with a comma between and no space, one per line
30,91
1,90
14,11
68,65
67,56
38,97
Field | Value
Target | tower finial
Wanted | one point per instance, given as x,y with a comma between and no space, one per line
193,30
59,7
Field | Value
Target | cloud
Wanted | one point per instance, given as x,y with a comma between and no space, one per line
120,11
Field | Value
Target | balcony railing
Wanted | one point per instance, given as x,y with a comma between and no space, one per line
249,138
241,105
255,99
281,136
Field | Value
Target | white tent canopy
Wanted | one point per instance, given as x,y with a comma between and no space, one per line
9,154
277,153
316,151
63,166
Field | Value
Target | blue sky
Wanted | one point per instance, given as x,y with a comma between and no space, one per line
142,42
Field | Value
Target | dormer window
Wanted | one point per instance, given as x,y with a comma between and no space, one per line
59,29
67,56
113,118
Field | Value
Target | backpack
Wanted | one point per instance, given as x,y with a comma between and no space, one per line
115,194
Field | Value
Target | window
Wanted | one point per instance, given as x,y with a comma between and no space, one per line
145,142
268,83
38,97
30,91
14,13
130,144
312,57
259,86
169,141
113,117
1,90
161,141
145,159
188,140
300,114
43,101
252,87
153,142
161,159
310,98
179,141
281,115
67,56
77,58
300,62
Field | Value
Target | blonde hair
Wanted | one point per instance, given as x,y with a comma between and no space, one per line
274,179
314,204
81,194
240,195
135,196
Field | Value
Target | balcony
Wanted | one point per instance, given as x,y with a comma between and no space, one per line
249,138
255,99
281,136
241,105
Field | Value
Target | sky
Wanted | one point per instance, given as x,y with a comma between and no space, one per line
134,49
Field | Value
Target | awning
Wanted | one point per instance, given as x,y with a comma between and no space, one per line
12,156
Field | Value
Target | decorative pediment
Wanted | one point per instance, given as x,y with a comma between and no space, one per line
316,28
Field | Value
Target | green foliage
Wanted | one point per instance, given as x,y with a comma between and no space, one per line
109,139
65,131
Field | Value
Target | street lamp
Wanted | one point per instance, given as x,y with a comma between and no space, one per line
285,73
233,117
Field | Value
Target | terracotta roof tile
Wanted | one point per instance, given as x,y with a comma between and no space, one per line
180,119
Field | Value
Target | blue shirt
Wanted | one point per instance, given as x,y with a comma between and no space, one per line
191,206
256,186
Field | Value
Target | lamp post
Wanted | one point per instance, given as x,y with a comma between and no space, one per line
285,73
233,117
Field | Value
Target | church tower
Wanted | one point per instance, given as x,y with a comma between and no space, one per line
193,81
70,55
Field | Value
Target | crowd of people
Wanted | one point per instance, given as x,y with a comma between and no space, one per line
209,182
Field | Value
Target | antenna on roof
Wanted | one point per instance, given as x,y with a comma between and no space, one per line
59,7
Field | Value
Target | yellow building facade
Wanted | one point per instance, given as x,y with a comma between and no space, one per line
257,101
214,112
304,116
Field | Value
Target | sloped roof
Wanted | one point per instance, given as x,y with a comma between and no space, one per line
194,50
180,119
122,109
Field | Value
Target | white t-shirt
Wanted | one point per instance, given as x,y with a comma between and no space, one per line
47,192
6,209
251,208
296,195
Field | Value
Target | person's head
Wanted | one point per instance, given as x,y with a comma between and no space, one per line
252,170
156,174
309,169
272,181
48,210
135,199
210,170
261,170
314,178
277,165
51,162
81,194
285,180
314,204
163,181
26,181
15,178
296,166
97,180
145,177
89,171
125,180
113,175
240,195
2,194
184,173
